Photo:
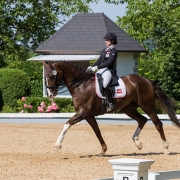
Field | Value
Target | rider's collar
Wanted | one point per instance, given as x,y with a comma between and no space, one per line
110,47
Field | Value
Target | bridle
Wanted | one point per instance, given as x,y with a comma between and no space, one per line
55,75
74,83
55,84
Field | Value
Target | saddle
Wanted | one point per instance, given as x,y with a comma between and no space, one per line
116,86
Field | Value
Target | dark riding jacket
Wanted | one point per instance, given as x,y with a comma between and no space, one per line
107,58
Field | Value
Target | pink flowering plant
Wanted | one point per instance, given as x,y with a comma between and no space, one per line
52,108
29,105
26,108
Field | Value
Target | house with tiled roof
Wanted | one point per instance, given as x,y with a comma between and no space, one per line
81,40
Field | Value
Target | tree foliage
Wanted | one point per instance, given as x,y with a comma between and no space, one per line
156,25
24,24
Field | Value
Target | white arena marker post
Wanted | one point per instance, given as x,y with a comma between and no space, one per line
131,169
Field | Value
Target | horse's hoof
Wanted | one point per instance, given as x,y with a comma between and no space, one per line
57,148
101,154
166,152
139,145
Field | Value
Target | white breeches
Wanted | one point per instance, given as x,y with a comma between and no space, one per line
106,75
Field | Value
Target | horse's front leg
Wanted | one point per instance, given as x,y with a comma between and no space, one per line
93,123
75,119
61,137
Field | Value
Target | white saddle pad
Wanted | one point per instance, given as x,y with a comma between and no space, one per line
120,91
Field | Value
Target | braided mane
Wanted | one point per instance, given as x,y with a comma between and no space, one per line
84,77
69,62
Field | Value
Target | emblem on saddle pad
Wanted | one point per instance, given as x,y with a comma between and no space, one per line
119,91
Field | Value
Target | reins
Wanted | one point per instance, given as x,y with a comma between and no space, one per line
78,81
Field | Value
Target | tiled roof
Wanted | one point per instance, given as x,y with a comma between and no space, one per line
84,33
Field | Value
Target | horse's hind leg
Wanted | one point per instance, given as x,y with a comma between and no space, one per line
93,123
159,126
132,112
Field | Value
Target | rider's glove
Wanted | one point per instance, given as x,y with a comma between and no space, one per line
94,69
89,69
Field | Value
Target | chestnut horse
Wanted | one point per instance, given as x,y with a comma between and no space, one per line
141,92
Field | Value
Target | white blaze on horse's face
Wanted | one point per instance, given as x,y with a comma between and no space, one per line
49,94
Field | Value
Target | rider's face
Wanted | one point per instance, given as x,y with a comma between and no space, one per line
108,42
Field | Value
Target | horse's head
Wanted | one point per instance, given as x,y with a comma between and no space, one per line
53,78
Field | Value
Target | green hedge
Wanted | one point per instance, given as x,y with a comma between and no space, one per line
34,71
178,108
64,105
14,84
162,111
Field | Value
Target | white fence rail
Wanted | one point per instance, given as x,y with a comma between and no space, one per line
163,175
137,169
68,115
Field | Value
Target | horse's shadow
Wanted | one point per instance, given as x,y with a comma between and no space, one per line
99,155
150,154
131,154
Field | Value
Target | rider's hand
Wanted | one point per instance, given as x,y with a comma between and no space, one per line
89,69
94,69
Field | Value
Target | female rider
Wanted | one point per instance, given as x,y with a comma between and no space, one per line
105,64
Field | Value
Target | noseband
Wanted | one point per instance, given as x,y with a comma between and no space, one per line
55,75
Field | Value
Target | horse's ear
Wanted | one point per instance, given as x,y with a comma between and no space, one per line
50,65
45,65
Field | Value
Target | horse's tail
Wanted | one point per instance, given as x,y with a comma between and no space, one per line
166,104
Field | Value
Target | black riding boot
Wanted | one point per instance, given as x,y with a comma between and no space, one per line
109,99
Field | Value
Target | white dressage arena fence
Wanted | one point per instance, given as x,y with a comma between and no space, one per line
137,169
69,115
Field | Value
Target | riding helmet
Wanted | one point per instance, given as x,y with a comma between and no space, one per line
111,36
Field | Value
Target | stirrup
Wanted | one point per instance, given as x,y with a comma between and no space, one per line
110,107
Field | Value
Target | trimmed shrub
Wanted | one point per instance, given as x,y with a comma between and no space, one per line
34,71
8,109
14,84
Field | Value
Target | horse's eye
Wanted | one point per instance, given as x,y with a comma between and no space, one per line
51,75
